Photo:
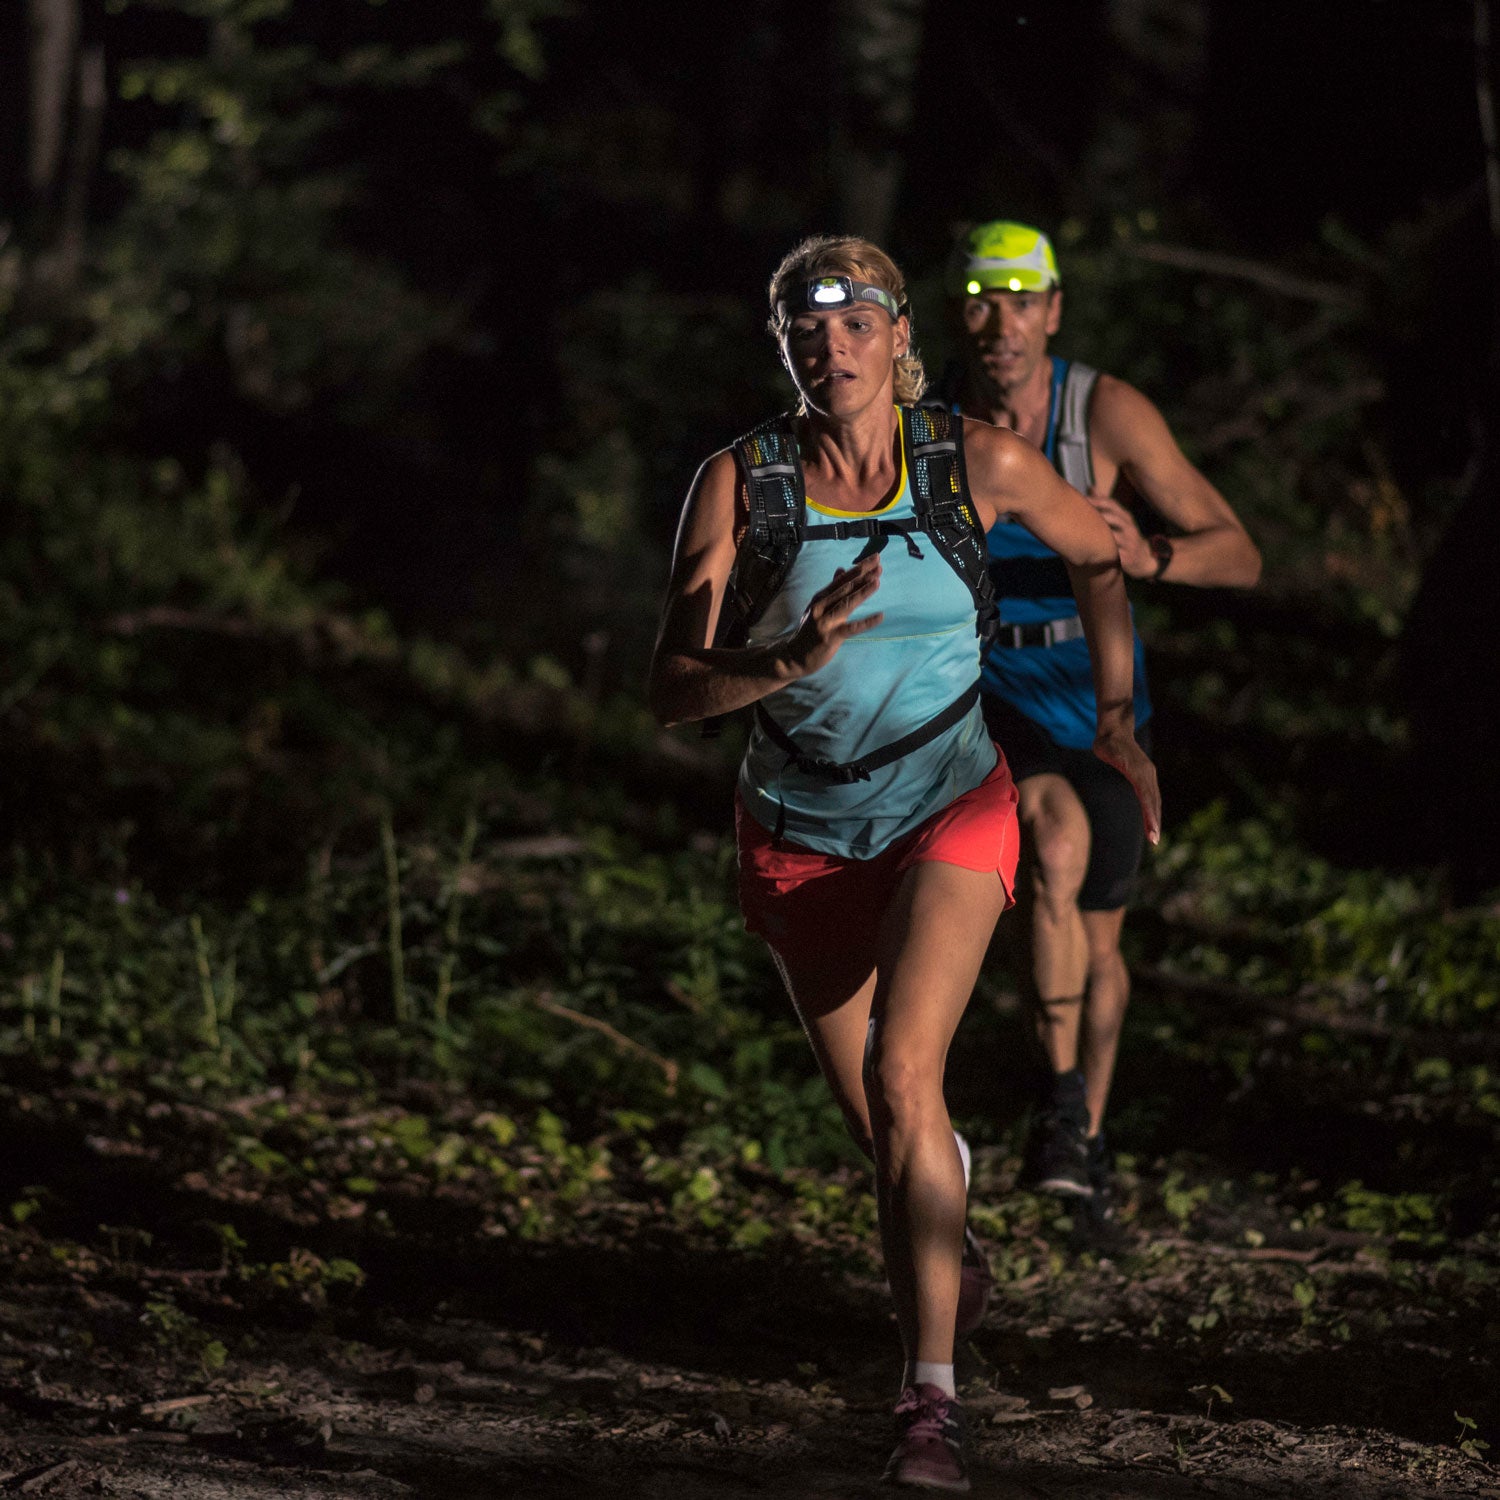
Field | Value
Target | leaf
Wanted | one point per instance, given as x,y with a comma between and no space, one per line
708,1080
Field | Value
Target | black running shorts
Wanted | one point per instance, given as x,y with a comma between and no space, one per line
1117,836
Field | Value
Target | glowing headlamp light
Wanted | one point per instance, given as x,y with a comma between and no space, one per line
824,293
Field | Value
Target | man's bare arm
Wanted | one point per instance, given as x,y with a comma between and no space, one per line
1008,476
1210,546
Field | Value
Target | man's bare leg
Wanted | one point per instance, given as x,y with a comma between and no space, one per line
1103,1009
1057,828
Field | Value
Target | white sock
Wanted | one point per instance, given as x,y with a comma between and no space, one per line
963,1156
923,1372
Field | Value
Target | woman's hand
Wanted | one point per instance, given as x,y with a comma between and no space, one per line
1118,748
826,625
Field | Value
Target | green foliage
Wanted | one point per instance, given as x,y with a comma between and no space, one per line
304,1279
1182,1201
230,247
1468,1439
180,1333
1407,1217
1256,907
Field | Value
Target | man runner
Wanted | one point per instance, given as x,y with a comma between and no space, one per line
1079,816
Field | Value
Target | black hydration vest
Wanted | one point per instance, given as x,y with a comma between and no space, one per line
772,468
768,459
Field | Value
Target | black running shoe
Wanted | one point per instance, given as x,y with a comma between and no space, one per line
1061,1157
1058,1153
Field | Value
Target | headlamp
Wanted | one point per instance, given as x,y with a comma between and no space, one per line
825,293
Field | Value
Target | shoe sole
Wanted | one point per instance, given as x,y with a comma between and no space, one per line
949,1486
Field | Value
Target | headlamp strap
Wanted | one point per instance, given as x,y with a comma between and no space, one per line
823,293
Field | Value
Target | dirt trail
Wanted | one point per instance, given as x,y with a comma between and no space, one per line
452,1404
1227,1337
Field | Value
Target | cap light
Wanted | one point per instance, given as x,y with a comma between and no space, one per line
1002,256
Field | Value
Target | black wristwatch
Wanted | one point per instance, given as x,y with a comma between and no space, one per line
1161,550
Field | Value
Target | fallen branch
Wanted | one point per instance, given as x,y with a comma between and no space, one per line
1311,1257
166,617
175,1403
624,1043
323,632
1237,1252
1428,1039
39,1479
1185,258
543,846
1300,1012
125,1439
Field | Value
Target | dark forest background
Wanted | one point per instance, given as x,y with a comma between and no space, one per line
446,304
355,357
356,920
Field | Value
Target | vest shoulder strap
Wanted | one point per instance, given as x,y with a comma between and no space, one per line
1073,461
934,442
771,469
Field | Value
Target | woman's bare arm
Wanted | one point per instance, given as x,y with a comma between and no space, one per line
691,679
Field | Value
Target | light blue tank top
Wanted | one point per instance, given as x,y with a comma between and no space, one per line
880,686
1052,685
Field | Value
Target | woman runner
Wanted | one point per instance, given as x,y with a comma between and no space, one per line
876,820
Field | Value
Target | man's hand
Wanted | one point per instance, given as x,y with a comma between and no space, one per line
1136,556
826,625
1118,748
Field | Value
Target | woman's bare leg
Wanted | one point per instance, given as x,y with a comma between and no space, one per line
832,995
933,939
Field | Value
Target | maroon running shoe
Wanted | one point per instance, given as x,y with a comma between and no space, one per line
974,1283
930,1454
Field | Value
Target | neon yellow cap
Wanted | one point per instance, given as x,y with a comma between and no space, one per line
1005,256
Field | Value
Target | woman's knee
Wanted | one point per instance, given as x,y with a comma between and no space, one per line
901,1088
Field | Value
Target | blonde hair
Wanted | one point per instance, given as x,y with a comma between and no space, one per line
848,255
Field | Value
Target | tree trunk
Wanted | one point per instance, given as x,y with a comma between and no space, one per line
55,26
67,253
65,116
875,52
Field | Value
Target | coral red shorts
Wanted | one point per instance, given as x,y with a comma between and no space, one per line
793,896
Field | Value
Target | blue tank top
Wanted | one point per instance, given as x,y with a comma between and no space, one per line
880,686
1052,685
